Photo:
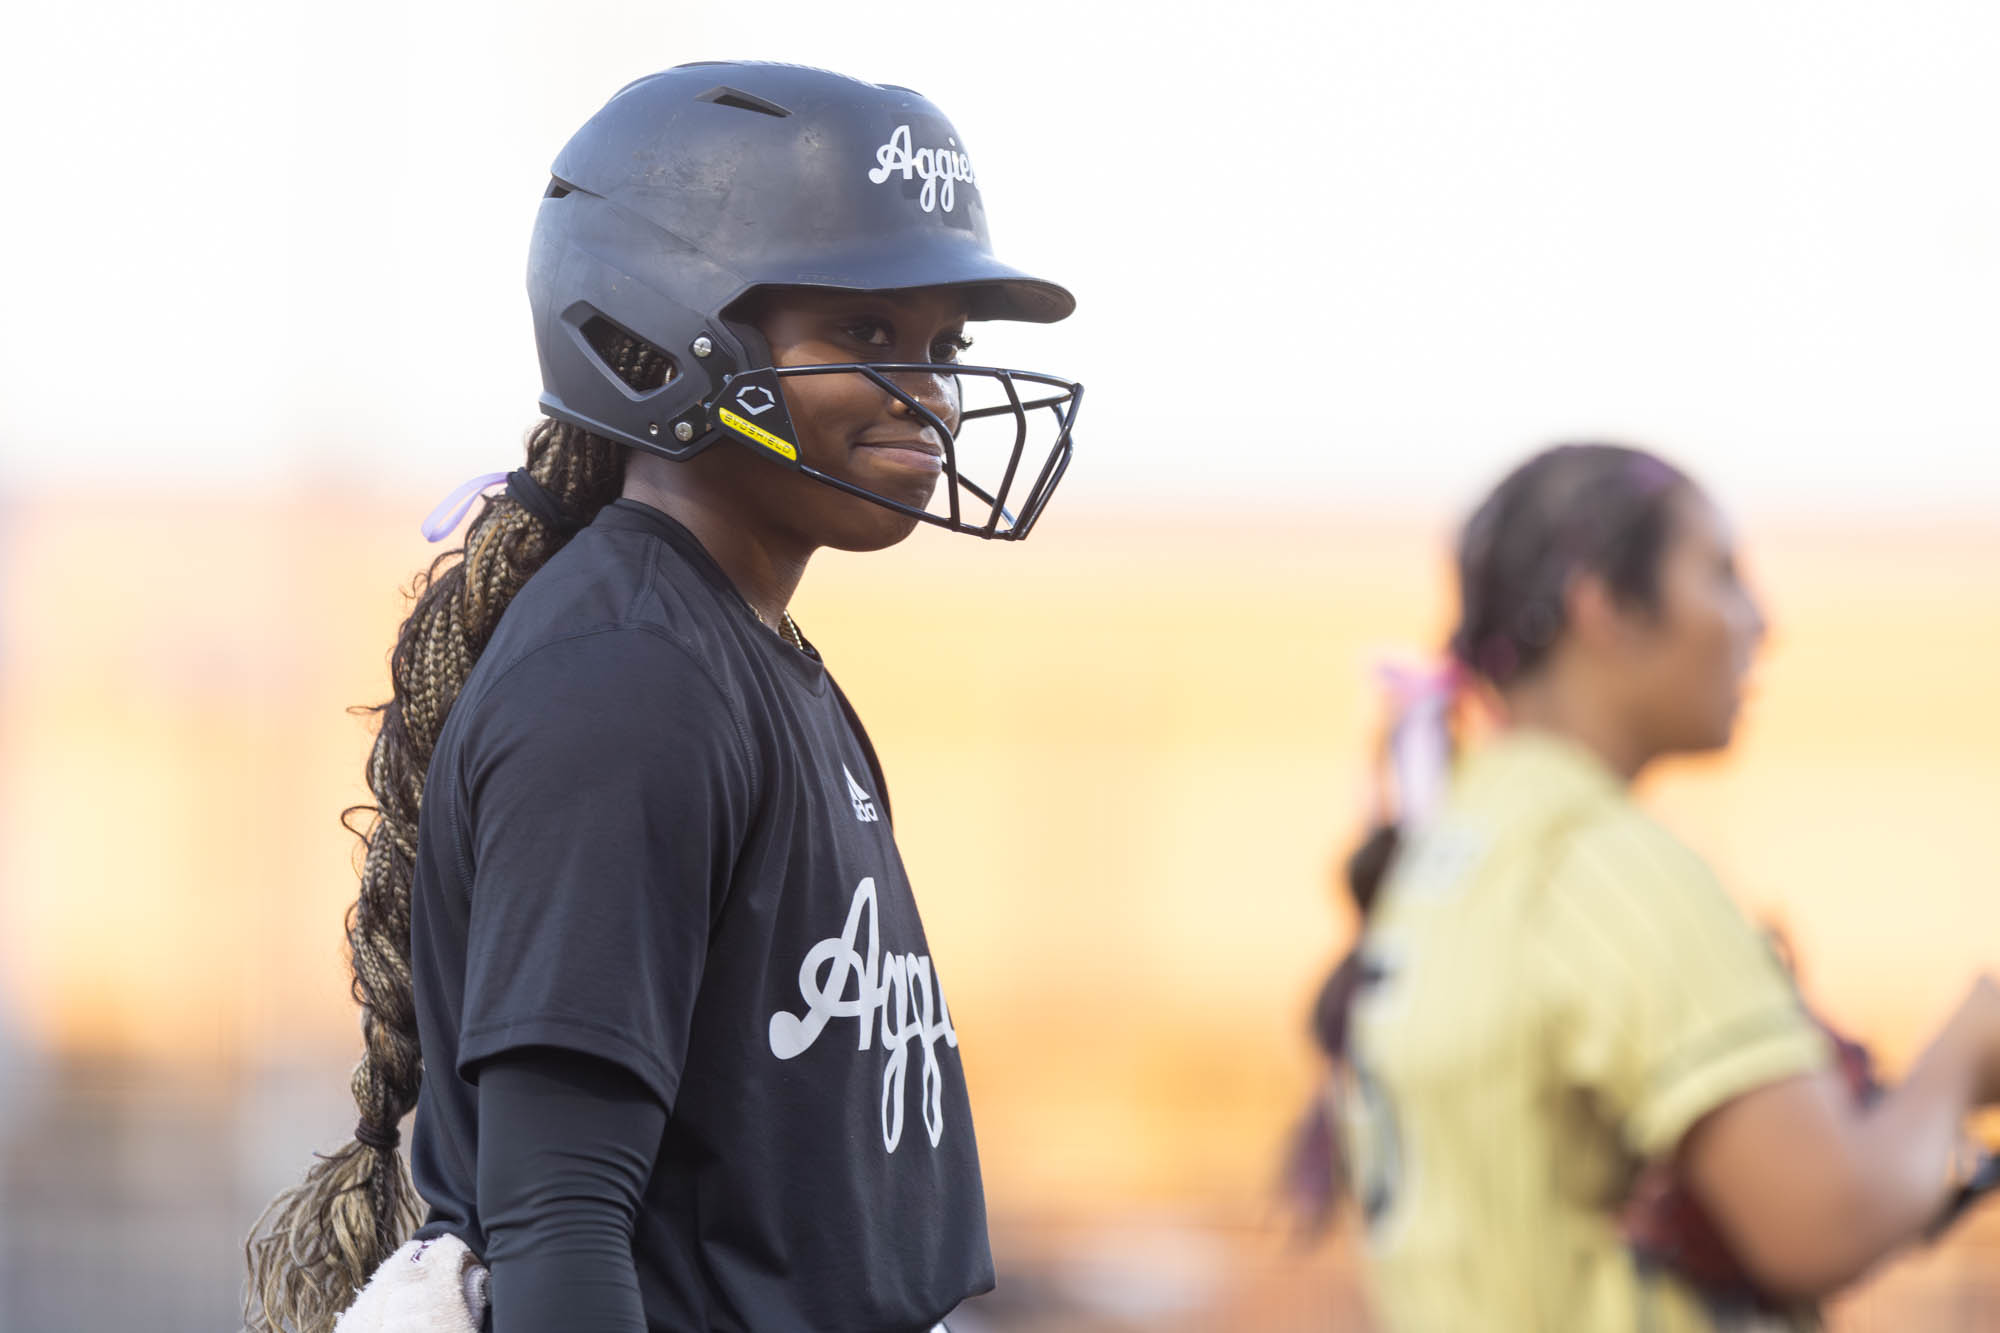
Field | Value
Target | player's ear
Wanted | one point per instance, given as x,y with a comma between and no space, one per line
1592,615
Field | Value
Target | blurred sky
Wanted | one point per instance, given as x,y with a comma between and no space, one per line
1330,252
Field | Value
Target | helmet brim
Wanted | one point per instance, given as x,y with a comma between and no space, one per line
995,290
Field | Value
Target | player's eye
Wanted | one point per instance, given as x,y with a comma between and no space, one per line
950,347
869,331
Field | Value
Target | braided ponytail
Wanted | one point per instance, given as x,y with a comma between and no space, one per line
319,1241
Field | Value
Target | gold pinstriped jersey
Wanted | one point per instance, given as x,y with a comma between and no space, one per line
1559,990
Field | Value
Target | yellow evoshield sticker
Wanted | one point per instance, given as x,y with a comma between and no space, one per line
759,434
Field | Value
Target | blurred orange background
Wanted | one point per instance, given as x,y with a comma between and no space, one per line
1125,757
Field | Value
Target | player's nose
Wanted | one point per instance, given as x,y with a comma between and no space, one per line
935,391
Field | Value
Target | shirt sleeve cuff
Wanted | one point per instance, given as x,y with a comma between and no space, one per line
1725,1065
586,1038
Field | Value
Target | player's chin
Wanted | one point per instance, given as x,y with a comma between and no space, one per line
863,525
856,524
1716,731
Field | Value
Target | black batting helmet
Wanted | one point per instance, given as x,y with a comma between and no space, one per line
696,186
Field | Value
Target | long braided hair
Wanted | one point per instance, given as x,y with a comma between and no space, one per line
318,1242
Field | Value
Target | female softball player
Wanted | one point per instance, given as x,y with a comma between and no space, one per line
1557,992
633,939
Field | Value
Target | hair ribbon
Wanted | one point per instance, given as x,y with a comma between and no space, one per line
451,510
1420,748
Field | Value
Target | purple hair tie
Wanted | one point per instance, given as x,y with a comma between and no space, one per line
1421,698
451,510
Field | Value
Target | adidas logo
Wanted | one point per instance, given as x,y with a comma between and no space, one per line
864,804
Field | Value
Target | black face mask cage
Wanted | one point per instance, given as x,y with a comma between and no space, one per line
1026,393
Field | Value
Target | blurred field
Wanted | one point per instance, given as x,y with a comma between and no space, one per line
1124,758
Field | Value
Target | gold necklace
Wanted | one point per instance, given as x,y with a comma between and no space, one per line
787,629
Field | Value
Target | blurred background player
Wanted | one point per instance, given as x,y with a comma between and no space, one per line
1552,993
634,939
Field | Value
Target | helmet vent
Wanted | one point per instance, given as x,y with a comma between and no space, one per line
723,95
557,189
639,365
